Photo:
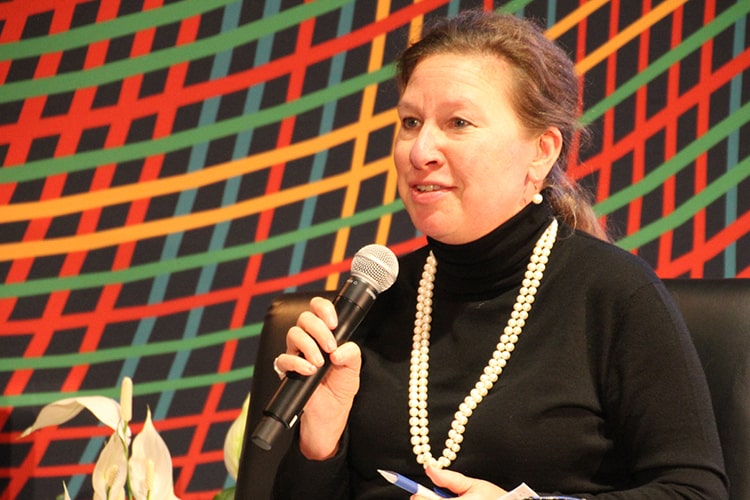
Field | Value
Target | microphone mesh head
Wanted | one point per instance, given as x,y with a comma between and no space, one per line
377,265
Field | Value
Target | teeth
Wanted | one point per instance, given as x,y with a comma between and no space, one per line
427,189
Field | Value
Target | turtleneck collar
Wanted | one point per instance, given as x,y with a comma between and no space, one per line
495,262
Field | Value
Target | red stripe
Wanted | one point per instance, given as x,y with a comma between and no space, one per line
702,125
670,139
24,8
731,234
73,262
605,175
635,209
232,83
659,120
277,285
274,183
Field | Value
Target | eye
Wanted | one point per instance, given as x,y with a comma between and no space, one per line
409,123
459,123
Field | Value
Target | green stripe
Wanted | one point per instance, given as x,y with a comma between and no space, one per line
729,180
656,177
139,389
121,26
83,161
166,57
514,6
146,271
690,44
68,360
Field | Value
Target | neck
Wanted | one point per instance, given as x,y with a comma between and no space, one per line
495,262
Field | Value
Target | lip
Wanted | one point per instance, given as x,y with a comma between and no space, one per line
427,192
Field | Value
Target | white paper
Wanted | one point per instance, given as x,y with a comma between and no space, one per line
518,493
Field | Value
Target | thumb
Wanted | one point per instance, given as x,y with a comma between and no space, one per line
448,479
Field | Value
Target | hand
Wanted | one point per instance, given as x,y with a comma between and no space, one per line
465,487
325,415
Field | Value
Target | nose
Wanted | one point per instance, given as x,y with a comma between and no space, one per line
426,151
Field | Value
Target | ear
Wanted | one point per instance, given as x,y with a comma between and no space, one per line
549,145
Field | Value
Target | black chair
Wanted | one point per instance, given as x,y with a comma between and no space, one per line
717,312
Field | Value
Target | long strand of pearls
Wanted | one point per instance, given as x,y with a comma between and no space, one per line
420,354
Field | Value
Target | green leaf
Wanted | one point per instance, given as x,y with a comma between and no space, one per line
227,494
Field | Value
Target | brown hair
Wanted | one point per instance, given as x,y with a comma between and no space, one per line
544,94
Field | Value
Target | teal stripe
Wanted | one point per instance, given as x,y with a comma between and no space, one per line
656,177
454,7
43,168
107,30
185,203
687,210
184,206
551,13
148,271
320,159
164,58
690,44
733,150
83,161
219,232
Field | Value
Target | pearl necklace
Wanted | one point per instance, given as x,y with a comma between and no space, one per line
420,354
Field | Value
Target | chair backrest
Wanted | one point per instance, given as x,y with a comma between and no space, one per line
257,466
717,313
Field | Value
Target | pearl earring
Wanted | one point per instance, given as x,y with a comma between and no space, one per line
537,199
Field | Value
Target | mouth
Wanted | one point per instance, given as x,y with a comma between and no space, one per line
427,188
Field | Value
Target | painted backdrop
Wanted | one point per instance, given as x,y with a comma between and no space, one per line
170,166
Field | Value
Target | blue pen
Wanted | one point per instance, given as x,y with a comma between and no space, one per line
414,487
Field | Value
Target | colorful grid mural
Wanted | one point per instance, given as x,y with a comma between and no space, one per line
168,167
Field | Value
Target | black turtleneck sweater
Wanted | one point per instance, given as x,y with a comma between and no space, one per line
602,398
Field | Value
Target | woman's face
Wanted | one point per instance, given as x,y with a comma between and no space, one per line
465,163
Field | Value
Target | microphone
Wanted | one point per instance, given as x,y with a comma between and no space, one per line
374,270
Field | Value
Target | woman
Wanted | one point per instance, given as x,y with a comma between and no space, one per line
518,345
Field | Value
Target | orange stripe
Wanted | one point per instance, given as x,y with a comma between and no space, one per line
628,34
204,177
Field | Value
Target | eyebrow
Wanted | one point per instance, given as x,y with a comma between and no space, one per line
451,103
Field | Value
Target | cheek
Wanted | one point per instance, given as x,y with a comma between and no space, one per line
401,154
401,161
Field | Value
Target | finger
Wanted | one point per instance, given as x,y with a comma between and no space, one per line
305,354
318,330
448,479
292,363
325,310
348,355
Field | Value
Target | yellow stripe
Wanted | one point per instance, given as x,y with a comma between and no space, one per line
574,18
160,227
204,177
351,196
629,33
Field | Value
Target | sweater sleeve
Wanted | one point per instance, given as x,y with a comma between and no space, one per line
298,477
657,402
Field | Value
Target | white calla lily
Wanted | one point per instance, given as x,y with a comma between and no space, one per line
105,409
111,470
65,489
234,439
150,465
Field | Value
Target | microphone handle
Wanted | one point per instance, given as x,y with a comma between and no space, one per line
285,407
